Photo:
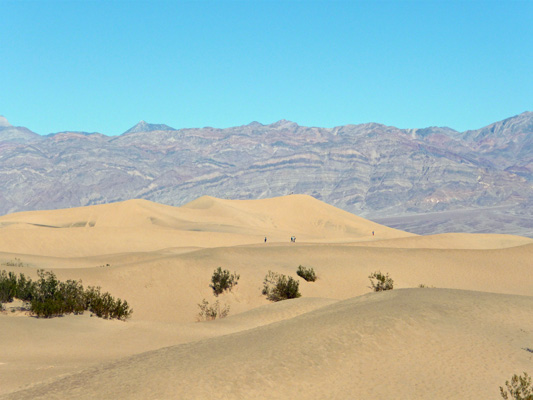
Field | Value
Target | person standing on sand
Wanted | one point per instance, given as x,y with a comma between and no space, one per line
265,239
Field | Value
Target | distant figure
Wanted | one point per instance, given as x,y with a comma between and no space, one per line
293,239
265,239
372,233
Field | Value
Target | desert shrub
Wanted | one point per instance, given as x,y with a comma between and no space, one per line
307,273
104,305
8,286
48,297
73,297
222,280
14,263
383,282
25,288
47,301
519,388
121,310
279,287
210,312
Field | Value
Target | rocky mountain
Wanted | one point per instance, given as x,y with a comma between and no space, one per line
505,145
143,126
474,181
15,134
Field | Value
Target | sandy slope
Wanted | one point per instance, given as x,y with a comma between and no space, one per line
328,344
454,241
140,225
415,343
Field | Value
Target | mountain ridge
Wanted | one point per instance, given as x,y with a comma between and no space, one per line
373,170
15,134
143,126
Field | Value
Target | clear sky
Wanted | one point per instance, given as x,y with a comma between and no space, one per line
104,65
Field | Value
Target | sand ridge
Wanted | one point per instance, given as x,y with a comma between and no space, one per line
331,343
140,225
414,343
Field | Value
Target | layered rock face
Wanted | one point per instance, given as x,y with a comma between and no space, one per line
376,171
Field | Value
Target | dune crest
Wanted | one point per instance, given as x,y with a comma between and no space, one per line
416,343
460,340
141,225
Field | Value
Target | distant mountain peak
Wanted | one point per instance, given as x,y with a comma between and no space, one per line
4,122
144,126
15,134
255,124
283,123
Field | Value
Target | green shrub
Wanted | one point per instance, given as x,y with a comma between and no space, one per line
222,280
25,288
383,282
48,297
211,312
104,305
8,286
47,300
519,388
307,273
279,287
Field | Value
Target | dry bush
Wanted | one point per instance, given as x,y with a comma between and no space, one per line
222,280
306,273
383,282
519,388
210,312
279,287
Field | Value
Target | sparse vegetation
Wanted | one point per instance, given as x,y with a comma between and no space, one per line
25,288
422,286
381,283
8,286
279,287
518,389
104,305
14,263
52,298
48,297
306,273
223,280
210,312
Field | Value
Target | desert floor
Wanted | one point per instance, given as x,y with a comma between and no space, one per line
461,337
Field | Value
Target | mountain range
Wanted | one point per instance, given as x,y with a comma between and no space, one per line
429,180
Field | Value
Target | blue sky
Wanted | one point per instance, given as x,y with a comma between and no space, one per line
104,65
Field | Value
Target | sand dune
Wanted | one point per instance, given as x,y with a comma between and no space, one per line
416,343
337,341
140,225
454,241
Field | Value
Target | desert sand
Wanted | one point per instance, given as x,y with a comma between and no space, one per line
460,338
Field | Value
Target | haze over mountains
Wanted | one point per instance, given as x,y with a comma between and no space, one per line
428,180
